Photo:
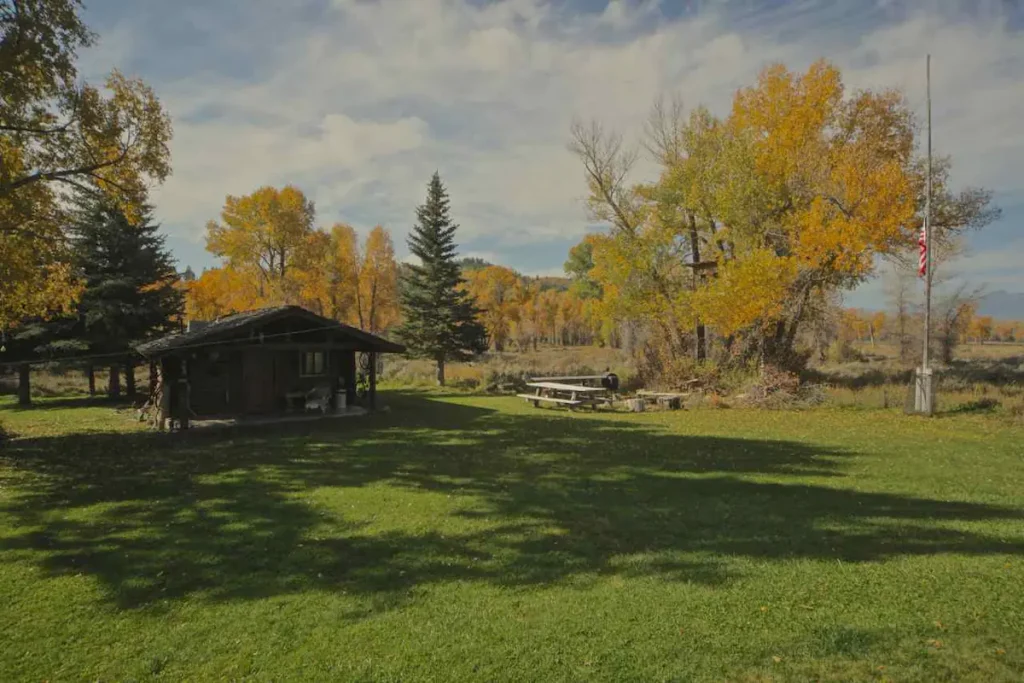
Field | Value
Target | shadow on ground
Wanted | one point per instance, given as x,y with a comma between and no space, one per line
64,402
549,497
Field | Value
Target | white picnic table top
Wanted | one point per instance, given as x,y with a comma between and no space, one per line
558,386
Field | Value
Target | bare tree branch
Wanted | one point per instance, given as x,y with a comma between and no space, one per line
60,175
663,130
606,166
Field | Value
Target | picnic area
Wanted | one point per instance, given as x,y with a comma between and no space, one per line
459,537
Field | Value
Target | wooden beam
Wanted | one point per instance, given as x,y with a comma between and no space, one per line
279,346
24,388
373,380
349,372
165,394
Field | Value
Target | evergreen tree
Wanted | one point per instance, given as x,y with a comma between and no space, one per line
130,284
130,294
440,316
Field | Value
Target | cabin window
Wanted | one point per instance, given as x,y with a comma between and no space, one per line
313,363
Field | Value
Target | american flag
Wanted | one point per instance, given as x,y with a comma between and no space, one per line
922,260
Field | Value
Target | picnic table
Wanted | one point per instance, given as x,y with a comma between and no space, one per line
585,380
571,395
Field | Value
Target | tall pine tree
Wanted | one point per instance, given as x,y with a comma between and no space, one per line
440,316
130,285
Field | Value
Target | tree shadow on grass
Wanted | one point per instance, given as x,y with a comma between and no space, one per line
66,402
540,498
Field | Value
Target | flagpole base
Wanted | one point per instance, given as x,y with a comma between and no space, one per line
924,391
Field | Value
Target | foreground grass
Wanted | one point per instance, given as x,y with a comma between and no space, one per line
477,538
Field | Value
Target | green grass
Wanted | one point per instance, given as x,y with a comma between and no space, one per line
476,538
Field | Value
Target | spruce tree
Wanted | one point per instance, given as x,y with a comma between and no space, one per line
440,316
131,284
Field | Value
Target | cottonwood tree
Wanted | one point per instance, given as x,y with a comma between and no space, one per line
273,255
264,233
792,196
60,138
377,282
440,316
328,273
899,288
221,291
495,289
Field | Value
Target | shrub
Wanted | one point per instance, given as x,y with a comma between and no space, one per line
464,383
716,401
981,405
5,435
778,388
841,351
505,382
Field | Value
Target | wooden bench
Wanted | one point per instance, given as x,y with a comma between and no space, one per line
533,398
671,401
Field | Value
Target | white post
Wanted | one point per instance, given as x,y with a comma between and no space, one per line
924,397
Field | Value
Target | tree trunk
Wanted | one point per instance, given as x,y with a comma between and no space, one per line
91,374
636,405
702,347
114,387
24,388
440,372
129,377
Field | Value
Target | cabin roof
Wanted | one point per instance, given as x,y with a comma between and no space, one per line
225,330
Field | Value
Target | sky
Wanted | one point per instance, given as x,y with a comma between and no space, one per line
358,102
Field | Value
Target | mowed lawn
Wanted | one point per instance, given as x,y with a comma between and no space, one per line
475,538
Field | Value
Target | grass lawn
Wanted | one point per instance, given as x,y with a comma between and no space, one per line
478,538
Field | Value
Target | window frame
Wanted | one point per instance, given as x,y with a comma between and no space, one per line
312,355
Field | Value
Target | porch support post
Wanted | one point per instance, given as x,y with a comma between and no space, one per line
166,389
186,403
373,380
24,386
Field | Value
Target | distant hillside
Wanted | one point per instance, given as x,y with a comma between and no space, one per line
1003,305
471,263
551,282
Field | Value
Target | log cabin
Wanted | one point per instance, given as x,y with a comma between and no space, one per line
260,363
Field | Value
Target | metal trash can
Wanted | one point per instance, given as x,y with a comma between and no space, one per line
610,381
340,399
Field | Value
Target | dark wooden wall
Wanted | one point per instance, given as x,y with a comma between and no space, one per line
255,381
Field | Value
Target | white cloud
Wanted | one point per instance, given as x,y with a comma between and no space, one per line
1007,257
363,107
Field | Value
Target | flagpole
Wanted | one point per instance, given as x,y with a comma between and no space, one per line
928,222
925,396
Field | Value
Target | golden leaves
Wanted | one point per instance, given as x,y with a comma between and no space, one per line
36,277
377,287
795,192
274,255
499,294
747,292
